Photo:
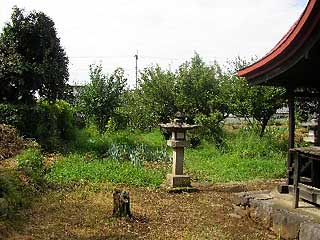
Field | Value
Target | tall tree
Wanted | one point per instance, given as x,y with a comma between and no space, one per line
256,104
103,95
31,59
157,87
198,88
154,99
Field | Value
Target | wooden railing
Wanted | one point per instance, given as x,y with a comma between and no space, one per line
306,177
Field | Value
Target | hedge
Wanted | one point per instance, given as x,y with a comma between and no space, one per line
48,123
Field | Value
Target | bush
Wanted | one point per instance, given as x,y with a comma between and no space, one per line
247,143
10,142
135,147
31,162
100,98
56,123
46,122
22,117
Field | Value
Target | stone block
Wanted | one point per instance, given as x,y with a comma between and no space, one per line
242,200
241,211
178,180
286,224
309,231
261,212
283,188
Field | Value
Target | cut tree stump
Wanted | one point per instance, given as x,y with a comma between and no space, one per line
121,204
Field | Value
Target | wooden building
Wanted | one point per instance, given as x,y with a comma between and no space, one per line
294,64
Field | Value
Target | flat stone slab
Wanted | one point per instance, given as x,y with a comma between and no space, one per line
274,211
176,181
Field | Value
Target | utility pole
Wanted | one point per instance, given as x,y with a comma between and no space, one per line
136,57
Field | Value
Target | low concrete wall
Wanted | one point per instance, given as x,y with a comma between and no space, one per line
260,207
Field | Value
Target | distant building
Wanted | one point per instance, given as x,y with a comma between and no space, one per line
281,113
76,89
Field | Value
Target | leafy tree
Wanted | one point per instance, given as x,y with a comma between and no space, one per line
256,104
201,97
153,101
139,115
199,88
31,59
102,96
158,90
309,107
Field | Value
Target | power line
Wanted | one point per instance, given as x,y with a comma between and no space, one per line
127,56
102,56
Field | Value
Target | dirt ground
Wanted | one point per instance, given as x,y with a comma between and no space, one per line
85,213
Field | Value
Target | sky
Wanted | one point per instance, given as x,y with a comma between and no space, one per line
164,32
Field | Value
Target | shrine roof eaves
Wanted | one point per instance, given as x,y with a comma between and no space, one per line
286,48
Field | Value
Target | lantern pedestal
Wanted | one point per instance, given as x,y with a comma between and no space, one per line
175,181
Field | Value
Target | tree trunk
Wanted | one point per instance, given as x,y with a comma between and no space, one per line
121,204
264,124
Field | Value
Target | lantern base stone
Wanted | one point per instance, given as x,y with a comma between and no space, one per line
178,180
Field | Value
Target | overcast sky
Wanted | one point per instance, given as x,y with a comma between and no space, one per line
166,32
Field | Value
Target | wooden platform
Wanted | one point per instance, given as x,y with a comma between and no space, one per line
306,178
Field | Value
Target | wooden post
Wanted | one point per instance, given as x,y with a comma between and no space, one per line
317,131
291,135
296,180
121,204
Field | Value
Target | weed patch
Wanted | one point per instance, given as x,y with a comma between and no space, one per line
78,168
246,156
243,156
14,193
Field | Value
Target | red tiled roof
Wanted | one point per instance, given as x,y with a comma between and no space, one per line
287,46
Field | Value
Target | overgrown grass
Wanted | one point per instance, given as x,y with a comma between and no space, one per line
77,168
19,185
89,140
14,194
245,156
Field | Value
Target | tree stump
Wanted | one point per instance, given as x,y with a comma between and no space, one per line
121,204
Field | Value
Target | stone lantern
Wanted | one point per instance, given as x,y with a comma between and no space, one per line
178,142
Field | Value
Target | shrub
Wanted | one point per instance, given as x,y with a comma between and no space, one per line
247,143
31,162
102,96
49,123
23,117
56,123
10,142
